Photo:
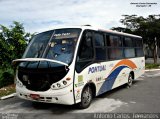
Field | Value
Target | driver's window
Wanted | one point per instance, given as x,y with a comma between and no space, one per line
85,52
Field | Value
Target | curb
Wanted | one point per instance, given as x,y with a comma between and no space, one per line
8,96
152,70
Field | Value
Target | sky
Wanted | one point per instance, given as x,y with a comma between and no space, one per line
41,15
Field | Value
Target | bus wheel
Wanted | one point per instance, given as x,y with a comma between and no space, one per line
130,81
86,98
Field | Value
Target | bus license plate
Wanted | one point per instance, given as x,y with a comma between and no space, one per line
35,96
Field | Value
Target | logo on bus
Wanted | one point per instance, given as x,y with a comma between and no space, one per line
96,69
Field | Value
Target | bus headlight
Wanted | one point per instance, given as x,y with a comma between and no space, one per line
64,82
53,86
58,85
19,84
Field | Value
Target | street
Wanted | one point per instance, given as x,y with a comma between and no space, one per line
142,97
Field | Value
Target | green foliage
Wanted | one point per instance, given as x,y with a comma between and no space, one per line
13,41
6,77
152,66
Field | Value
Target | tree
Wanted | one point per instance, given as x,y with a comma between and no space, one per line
13,41
148,28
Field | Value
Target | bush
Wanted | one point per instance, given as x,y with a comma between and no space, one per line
152,66
6,77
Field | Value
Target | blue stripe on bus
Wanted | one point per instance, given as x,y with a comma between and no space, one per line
109,81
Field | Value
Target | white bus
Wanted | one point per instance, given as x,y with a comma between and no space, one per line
72,65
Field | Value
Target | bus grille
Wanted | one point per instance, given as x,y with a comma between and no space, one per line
40,79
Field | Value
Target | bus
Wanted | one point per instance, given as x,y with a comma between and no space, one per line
72,65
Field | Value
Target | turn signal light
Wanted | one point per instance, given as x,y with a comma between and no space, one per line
68,78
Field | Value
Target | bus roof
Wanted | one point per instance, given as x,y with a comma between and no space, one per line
110,31
119,33
83,27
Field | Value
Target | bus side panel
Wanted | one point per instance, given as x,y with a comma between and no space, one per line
122,77
104,75
107,75
140,62
120,72
94,73
118,75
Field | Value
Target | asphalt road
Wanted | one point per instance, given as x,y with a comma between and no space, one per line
142,97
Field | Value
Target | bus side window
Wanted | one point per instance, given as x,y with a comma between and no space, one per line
85,53
139,48
128,42
100,48
86,47
139,43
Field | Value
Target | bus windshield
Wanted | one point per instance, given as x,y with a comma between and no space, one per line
56,44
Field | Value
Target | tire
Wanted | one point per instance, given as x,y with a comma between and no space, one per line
130,81
86,98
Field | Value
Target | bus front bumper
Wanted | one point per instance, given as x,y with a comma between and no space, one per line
61,96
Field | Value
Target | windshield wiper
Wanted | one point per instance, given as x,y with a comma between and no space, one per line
17,61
